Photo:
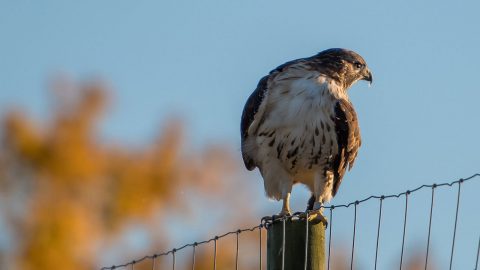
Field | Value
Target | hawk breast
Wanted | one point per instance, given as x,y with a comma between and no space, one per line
298,126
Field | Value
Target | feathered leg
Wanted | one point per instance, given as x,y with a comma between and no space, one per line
286,206
278,184
322,193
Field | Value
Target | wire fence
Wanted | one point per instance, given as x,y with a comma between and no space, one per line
265,223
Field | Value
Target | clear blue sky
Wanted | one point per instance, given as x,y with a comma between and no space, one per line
201,59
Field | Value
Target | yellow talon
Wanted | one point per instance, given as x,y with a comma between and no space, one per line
317,216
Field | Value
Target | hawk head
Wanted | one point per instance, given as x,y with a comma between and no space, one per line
345,66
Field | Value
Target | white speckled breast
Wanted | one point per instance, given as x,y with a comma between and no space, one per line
299,129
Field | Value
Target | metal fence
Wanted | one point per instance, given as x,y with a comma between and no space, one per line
406,195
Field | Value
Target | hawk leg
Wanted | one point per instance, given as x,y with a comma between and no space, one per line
286,206
285,210
316,215
321,193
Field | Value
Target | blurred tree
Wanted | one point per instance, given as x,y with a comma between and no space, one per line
66,191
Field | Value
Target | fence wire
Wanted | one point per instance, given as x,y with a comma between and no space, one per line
301,215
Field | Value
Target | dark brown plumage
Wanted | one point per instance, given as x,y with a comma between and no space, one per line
348,139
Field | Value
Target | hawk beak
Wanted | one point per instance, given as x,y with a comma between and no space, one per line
368,76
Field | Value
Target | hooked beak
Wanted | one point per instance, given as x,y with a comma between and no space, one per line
368,76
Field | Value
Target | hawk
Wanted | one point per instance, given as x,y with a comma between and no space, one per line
299,126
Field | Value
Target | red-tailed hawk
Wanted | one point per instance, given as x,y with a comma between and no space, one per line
299,126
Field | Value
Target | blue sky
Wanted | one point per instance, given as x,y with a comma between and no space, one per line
201,59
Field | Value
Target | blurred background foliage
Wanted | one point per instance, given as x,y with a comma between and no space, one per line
66,194
70,199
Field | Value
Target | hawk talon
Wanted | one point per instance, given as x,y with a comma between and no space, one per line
284,214
299,214
273,218
316,217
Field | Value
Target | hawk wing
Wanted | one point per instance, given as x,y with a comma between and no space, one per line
348,138
248,116
253,112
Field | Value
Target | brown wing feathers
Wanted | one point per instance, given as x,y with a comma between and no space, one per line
348,138
248,115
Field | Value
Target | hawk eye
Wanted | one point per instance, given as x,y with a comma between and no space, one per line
358,65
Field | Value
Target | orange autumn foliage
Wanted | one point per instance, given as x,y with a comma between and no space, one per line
67,192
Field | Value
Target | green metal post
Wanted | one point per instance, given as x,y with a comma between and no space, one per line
296,245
